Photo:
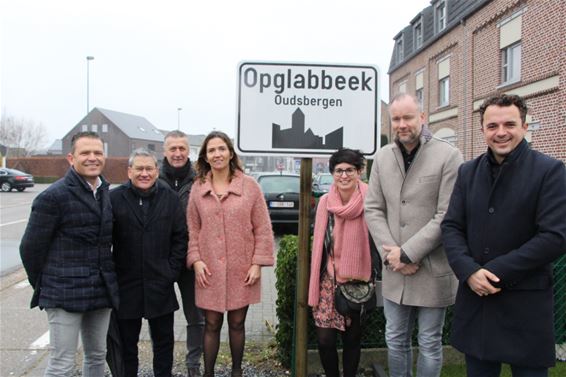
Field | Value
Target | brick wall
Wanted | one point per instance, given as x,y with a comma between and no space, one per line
115,169
475,61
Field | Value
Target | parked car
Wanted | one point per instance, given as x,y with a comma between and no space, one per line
281,192
321,184
14,179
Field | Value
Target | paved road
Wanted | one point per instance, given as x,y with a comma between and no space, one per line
14,212
24,333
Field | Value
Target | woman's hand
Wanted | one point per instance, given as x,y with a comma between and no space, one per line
254,273
201,274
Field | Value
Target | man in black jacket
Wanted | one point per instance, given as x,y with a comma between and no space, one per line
177,173
66,251
150,247
504,227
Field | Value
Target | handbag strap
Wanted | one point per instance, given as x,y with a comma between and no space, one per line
329,243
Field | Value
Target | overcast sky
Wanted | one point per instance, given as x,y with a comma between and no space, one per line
152,57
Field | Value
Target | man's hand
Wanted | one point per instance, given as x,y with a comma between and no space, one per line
393,257
480,282
409,269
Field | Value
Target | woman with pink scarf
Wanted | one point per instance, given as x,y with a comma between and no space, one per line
352,261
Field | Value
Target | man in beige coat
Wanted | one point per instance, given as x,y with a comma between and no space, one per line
409,190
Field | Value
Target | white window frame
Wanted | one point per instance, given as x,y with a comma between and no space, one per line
399,49
94,127
511,63
104,127
440,16
444,91
84,127
419,94
418,33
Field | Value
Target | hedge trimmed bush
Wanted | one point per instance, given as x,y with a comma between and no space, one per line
373,334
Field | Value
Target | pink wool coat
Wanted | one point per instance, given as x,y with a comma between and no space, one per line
229,235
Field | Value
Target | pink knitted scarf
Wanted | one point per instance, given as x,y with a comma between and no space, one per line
351,241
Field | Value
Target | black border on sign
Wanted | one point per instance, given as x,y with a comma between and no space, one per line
295,152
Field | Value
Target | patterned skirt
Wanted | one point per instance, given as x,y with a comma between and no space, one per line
324,314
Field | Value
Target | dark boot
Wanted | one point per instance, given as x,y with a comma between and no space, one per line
237,373
208,374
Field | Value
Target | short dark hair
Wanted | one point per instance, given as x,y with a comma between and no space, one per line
350,156
79,135
505,100
203,167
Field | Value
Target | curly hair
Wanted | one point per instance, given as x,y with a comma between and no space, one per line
505,100
350,156
202,166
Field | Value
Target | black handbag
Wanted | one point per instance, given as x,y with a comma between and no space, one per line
356,297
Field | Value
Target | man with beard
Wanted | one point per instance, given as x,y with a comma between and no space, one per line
409,190
178,174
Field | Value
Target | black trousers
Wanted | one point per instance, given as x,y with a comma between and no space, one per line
162,340
481,368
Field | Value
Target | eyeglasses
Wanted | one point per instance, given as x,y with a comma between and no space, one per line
349,172
149,169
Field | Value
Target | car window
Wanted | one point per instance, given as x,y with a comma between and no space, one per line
326,179
15,172
279,184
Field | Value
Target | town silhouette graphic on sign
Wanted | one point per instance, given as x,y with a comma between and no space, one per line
296,137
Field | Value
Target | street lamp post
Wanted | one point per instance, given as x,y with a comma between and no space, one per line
88,59
179,117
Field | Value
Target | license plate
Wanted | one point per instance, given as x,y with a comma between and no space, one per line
281,204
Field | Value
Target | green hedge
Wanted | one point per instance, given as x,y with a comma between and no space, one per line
40,180
373,334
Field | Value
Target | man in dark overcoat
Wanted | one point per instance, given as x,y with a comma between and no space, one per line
66,252
505,225
177,173
150,247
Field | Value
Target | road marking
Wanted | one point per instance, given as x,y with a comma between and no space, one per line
41,342
14,222
22,284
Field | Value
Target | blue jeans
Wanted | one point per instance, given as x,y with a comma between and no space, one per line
399,327
64,329
481,368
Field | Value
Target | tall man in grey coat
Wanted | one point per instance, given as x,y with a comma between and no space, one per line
66,251
505,225
178,174
409,190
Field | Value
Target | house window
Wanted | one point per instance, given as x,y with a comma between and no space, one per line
105,149
511,63
440,16
443,67
84,128
403,87
399,48
151,147
94,128
444,91
420,97
104,127
418,33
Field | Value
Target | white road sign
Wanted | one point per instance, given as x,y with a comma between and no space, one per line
307,109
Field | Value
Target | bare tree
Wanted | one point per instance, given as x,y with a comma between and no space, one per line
22,136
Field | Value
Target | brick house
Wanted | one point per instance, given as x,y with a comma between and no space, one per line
120,132
456,53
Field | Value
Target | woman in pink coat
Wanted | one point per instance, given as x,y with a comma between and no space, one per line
230,238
